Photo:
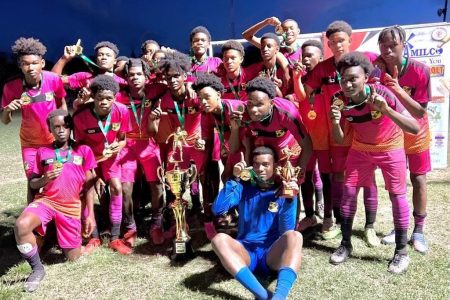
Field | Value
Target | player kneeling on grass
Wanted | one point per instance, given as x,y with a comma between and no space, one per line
377,118
62,170
266,240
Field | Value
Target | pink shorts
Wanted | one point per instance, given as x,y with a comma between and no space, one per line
190,154
29,158
109,168
146,152
419,163
361,166
322,157
338,158
68,229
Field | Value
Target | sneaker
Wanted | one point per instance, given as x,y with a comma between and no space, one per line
210,230
319,209
419,243
329,230
34,280
156,235
399,263
340,255
389,239
93,244
370,237
306,223
130,237
119,246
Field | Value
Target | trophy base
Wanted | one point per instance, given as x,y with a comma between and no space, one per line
182,250
289,193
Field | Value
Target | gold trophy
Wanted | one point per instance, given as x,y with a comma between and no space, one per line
178,181
288,173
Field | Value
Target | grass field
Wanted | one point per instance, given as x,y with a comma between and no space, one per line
149,274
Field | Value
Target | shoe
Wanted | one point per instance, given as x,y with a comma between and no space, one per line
370,237
93,244
389,239
341,254
319,209
156,235
306,223
34,280
210,230
119,246
130,237
419,243
329,230
399,263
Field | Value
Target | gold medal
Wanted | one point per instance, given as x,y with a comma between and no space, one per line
25,99
312,115
107,153
57,165
245,175
375,114
339,103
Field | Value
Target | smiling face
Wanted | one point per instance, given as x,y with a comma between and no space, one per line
258,105
106,58
200,44
291,30
352,81
263,166
209,98
31,67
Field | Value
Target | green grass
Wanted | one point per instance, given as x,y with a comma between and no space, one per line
149,274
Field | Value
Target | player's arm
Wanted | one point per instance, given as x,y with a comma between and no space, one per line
299,88
39,181
89,202
68,55
249,34
16,104
119,143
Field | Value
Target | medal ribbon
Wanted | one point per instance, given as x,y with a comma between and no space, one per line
179,115
133,108
88,60
59,158
236,94
367,94
104,129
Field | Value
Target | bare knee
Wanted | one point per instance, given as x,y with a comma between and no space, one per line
294,237
127,190
116,187
22,226
220,241
72,254
418,181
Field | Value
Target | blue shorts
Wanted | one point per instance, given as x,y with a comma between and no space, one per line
258,255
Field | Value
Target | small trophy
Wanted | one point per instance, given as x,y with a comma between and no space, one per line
288,173
178,180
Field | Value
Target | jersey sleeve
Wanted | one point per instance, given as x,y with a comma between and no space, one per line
59,90
228,197
287,216
89,162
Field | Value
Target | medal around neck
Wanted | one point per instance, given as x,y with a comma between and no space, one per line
25,99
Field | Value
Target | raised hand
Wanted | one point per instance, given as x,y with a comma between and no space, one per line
377,102
240,166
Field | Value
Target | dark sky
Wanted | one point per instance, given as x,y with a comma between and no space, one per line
129,23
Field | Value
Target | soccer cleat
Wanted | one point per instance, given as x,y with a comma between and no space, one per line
306,223
210,230
329,230
319,209
130,237
119,246
34,280
370,237
341,254
419,243
399,263
389,239
156,235
92,245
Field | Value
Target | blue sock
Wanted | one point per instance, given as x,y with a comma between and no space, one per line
286,278
249,281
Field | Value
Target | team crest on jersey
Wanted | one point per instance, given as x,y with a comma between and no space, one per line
273,207
49,96
115,126
375,114
77,160
279,133
408,90
191,110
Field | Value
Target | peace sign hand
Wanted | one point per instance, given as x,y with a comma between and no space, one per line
378,102
392,81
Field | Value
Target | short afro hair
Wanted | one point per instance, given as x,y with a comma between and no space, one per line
262,150
136,62
122,58
28,46
312,43
270,35
144,44
233,45
262,84
104,83
107,44
198,29
290,20
204,80
176,61
338,26
394,31
354,59
63,113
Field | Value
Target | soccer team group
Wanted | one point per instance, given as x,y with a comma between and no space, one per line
338,119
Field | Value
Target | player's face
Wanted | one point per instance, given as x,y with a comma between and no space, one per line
200,43
263,166
158,56
352,81
391,49
150,48
103,101
339,43
232,60
106,58
209,98
291,30
31,66
258,105
311,56
175,80
59,129
136,77
269,49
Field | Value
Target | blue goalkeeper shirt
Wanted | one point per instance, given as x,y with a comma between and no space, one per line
263,217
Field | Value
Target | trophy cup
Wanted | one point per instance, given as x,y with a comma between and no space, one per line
288,173
178,181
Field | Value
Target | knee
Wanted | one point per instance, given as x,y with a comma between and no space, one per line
127,190
219,241
294,238
418,180
116,188
22,225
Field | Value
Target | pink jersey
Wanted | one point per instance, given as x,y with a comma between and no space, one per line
293,57
275,72
209,65
34,131
88,132
84,79
372,131
143,109
189,110
235,89
63,193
